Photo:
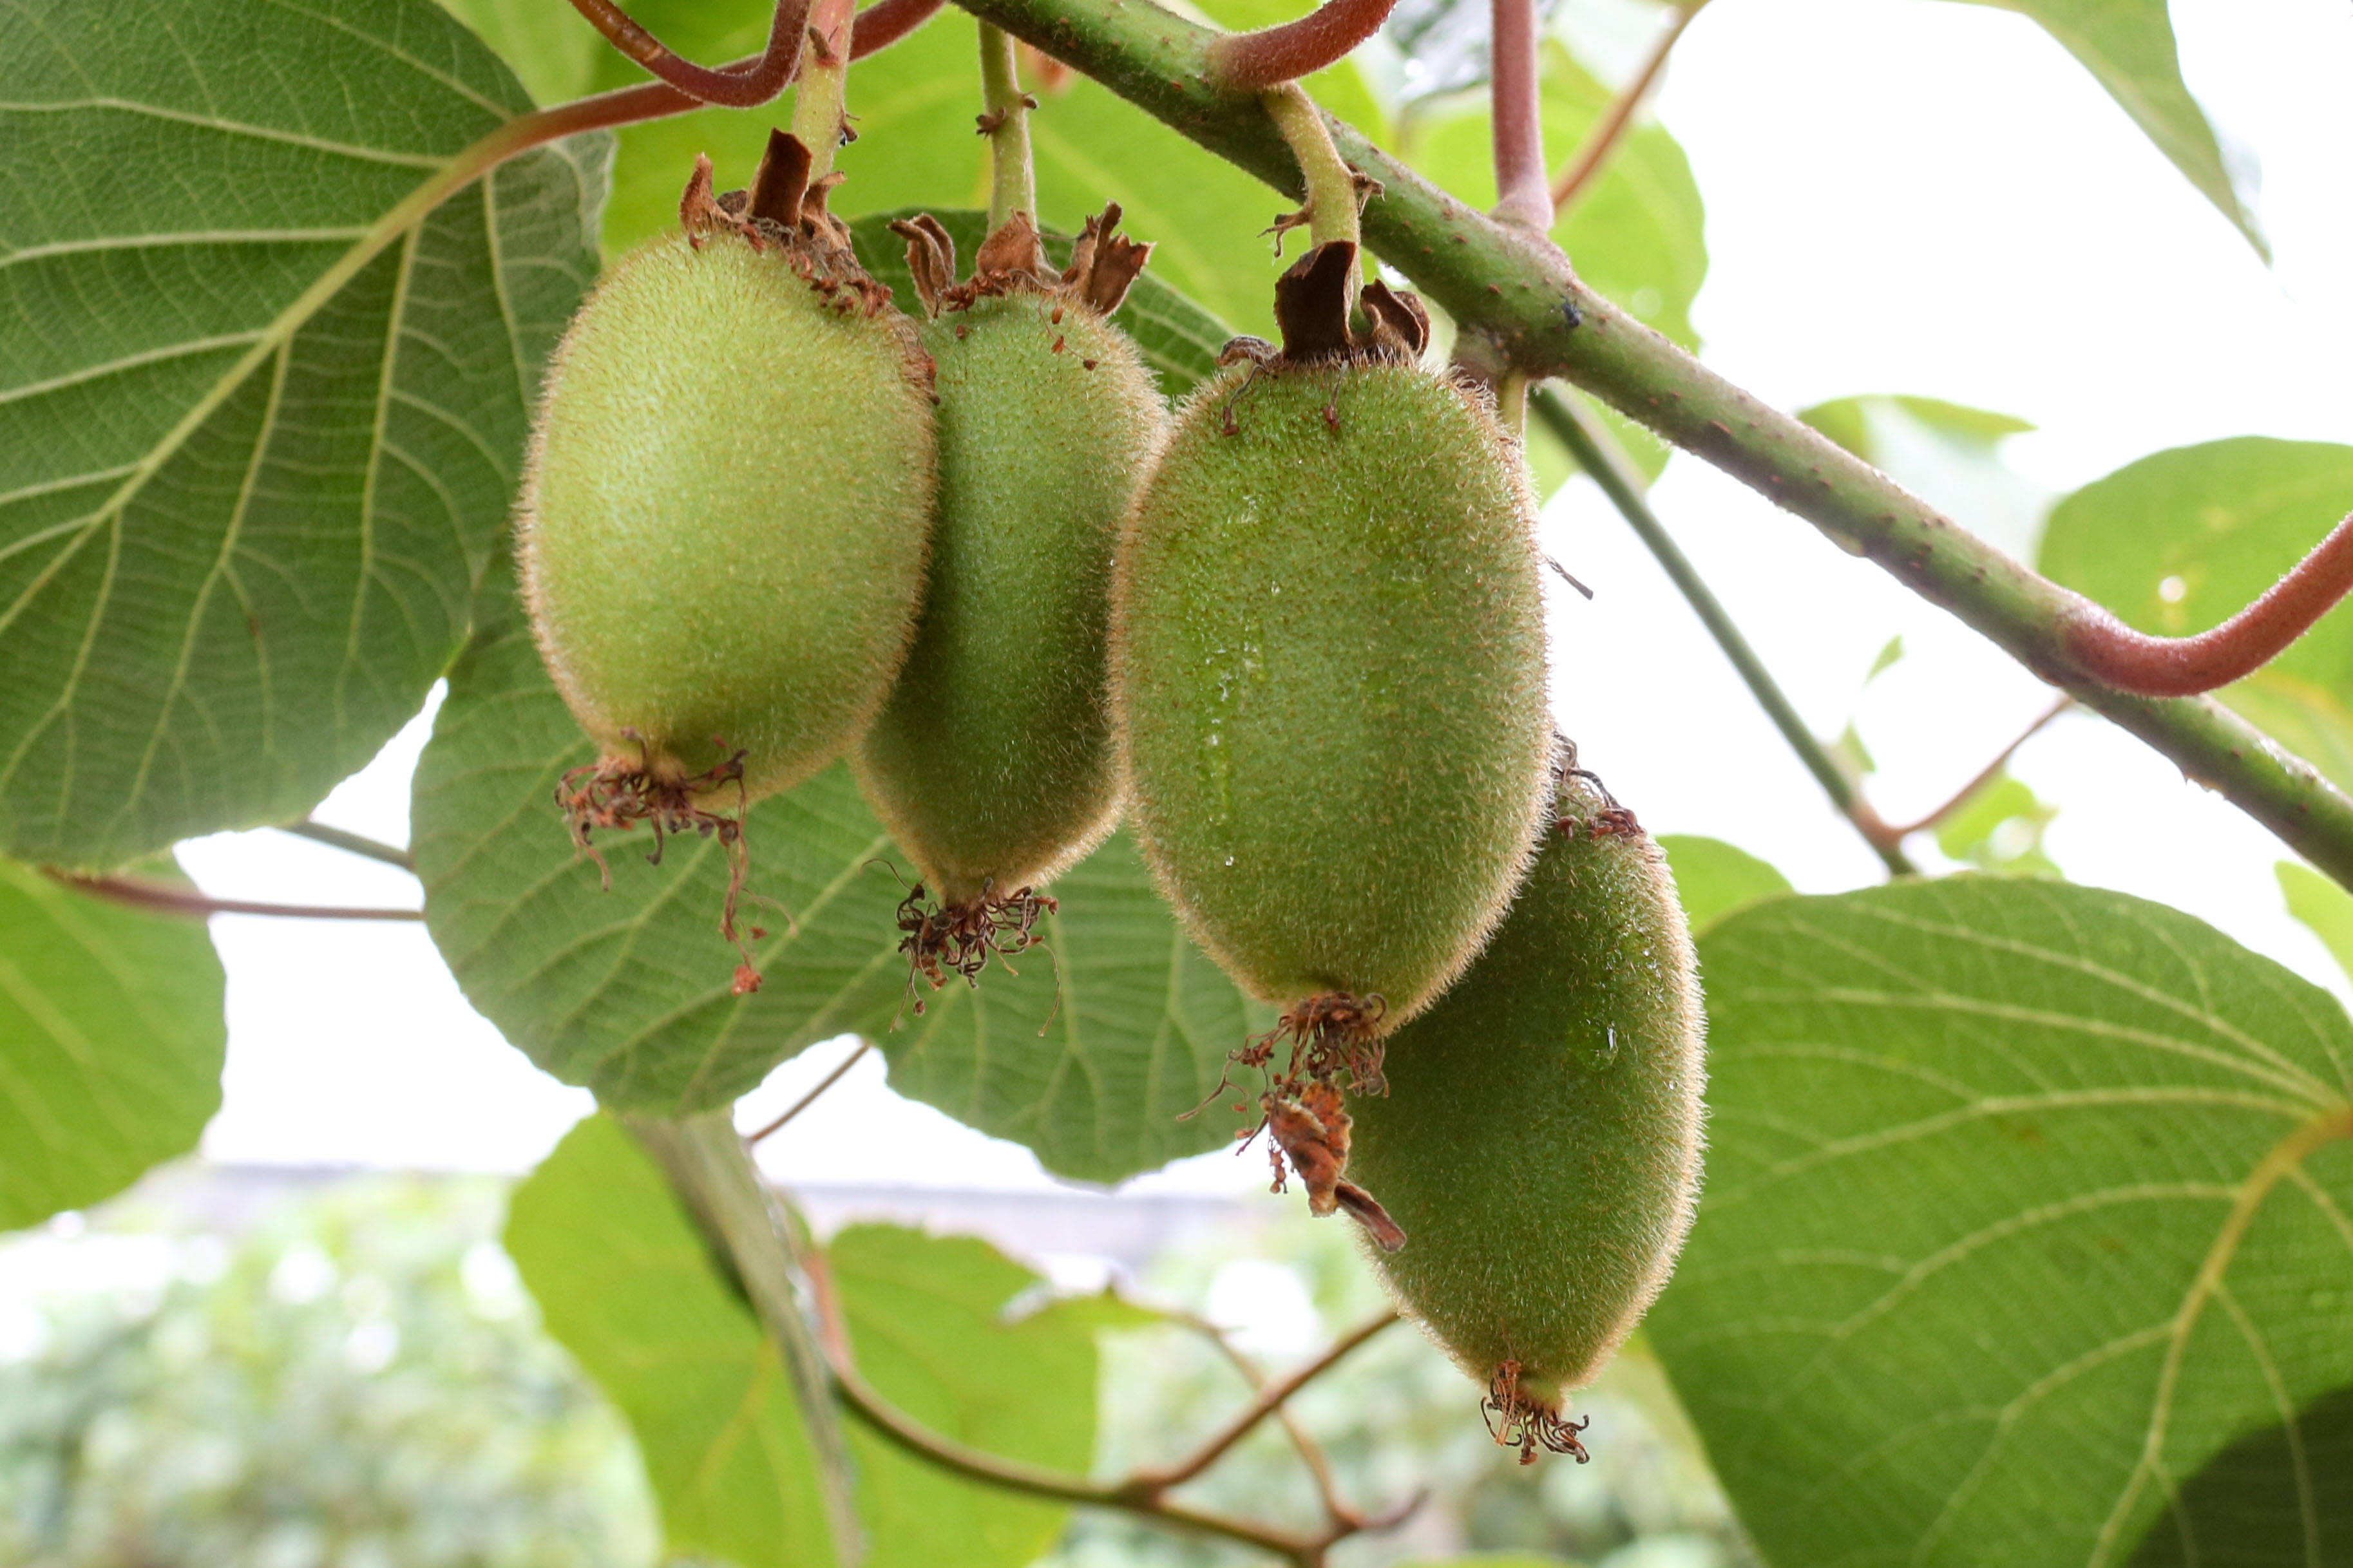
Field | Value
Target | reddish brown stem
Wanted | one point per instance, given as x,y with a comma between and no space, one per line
1984,777
166,899
729,86
880,25
1610,129
2112,653
1254,62
1523,195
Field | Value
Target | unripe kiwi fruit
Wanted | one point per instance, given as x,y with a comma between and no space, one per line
726,503
1540,1141
991,762
1328,662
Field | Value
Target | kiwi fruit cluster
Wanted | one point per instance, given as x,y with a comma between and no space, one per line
1293,629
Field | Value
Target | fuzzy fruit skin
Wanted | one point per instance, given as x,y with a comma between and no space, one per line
1328,661
1545,1179
725,511
992,761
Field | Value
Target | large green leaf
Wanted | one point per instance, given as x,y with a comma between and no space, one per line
258,427
930,1328
1714,878
1178,338
110,1043
551,49
629,991
2326,908
2128,45
2183,540
626,1283
2026,1203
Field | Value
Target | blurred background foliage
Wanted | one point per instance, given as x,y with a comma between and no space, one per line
352,1375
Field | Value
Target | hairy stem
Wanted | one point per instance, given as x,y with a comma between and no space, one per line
1331,184
2110,651
1609,131
711,1169
880,26
729,86
1012,182
1597,454
819,105
164,898
1523,297
350,842
1523,196
1254,62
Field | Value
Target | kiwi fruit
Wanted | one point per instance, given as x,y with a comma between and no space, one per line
991,762
725,509
1328,669
1540,1141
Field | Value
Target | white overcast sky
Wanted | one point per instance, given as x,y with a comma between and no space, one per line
1903,195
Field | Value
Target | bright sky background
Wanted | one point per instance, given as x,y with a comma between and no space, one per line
1903,195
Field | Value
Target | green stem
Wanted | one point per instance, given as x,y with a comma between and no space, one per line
1012,183
1523,298
823,94
1331,202
350,842
710,1167
1597,454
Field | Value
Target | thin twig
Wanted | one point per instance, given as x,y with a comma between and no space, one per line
1142,1495
1303,1442
729,86
1610,129
1522,196
2113,653
1594,452
1254,62
880,26
804,1101
164,898
1984,775
1268,1399
351,843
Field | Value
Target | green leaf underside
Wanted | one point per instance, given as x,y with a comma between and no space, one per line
255,440
1176,338
1713,878
2025,1202
110,1043
2128,45
629,991
928,1324
625,1282
2184,538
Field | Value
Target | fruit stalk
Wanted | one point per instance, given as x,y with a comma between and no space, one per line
1527,298
1330,205
818,106
1012,183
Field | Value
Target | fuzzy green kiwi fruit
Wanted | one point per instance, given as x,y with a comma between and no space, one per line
1328,663
1540,1141
726,504
991,762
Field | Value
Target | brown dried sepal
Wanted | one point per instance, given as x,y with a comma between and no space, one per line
784,209
941,939
1311,1130
1516,1419
1614,820
1312,308
1012,260
619,792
